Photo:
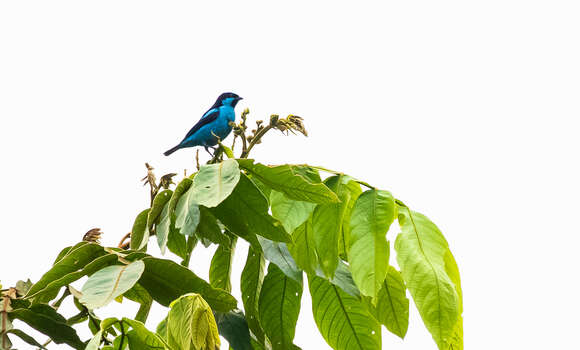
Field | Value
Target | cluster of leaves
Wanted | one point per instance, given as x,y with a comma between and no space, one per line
298,225
295,222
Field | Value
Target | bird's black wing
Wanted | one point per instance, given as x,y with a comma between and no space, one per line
207,118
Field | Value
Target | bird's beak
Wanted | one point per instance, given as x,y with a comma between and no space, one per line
239,98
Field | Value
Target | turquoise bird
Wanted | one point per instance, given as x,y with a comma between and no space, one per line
214,124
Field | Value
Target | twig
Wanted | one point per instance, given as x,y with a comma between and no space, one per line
197,159
122,243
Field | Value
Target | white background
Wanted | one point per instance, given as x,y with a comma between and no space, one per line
467,111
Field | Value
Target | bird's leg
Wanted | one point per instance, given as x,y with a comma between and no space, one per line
207,150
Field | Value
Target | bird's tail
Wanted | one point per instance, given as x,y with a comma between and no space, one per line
168,152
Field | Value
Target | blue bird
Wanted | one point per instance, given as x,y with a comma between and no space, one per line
214,124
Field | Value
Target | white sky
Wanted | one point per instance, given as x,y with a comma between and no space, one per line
467,111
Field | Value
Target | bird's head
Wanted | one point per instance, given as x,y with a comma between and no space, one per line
227,99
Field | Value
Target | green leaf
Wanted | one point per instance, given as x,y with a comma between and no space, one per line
26,338
75,259
278,254
209,229
392,305
139,295
161,329
251,286
234,328
139,232
221,266
46,320
187,215
341,318
163,227
421,251
159,203
215,182
282,178
353,192
307,172
191,324
291,213
179,191
455,340
373,214
95,341
327,222
279,307
177,243
142,338
302,249
106,284
245,213
166,281
89,269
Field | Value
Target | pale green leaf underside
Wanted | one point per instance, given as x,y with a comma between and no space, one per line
187,214
215,182
107,284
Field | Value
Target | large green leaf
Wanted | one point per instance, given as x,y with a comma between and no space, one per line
278,253
373,214
46,320
166,281
105,285
392,305
187,215
341,318
75,259
234,328
191,324
245,213
327,221
159,203
302,247
89,269
279,307
215,182
221,266
291,213
421,251
251,286
139,232
284,179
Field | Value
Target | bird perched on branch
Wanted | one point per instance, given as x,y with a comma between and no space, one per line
213,126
